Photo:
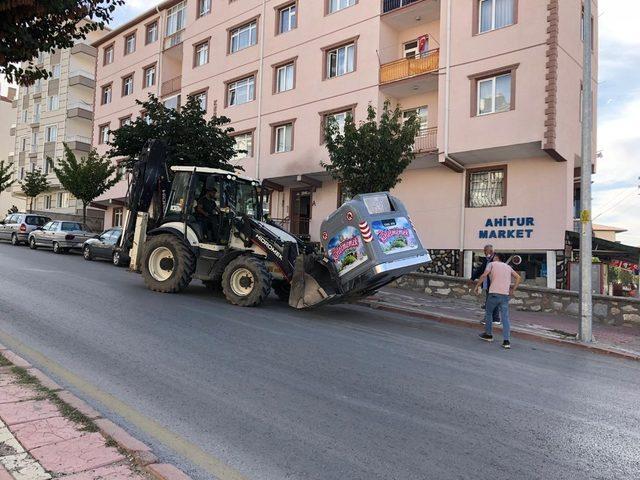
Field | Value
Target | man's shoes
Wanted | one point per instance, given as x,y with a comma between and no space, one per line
497,322
486,337
506,344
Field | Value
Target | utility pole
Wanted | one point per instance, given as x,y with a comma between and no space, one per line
586,300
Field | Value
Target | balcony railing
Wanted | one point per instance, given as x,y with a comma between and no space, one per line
173,39
171,86
388,5
82,73
80,104
78,138
410,67
426,141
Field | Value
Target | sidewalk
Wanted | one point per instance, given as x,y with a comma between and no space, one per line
619,340
46,432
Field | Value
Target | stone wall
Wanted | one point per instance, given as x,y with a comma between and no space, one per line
443,262
606,309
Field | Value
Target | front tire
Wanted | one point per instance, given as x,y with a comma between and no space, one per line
116,259
86,253
32,243
246,281
168,264
57,248
14,240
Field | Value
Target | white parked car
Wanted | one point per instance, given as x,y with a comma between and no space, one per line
60,235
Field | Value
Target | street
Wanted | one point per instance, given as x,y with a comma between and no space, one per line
341,392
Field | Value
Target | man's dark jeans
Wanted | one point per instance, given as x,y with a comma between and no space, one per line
496,312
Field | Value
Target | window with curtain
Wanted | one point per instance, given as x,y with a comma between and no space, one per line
494,94
486,188
341,60
494,14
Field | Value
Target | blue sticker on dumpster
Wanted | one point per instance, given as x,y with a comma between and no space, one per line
395,235
346,249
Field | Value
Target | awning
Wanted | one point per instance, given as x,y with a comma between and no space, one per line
606,250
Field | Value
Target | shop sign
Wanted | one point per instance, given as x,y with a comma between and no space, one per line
632,267
508,227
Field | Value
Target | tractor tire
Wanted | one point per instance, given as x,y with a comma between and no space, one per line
168,264
282,289
246,281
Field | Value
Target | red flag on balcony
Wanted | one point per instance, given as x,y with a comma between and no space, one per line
423,44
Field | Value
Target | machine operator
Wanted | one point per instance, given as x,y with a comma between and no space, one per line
207,213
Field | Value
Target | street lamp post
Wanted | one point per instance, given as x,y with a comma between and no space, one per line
586,300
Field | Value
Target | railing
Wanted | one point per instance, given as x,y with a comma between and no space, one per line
173,40
78,138
82,73
171,86
426,141
410,67
388,5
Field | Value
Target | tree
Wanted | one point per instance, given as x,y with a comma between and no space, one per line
87,178
191,139
34,183
370,157
30,26
6,172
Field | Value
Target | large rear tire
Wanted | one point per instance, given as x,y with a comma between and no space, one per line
246,281
168,264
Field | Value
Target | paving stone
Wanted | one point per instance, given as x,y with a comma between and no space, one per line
121,436
44,380
44,432
23,467
28,411
75,402
17,360
16,393
169,472
112,472
8,443
77,454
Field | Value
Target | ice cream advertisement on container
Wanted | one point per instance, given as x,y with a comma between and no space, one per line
346,249
395,235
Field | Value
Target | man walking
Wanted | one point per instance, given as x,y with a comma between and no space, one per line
500,289
488,258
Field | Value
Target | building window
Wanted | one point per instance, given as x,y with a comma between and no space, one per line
285,77
34,142
127,85
341,60
53,103
48,165
130,44
23,144
117,217
149,76
151,33
204,7
494,14
335,5
25,115
172,102
108,55
51,133
283,137
125,121
201,97
243,37
241,91
103,134
201,54
244,145
59,200
55,70
487,187
175,18
106,94
494,94
422,114
36,112
340,118
287,18
47,202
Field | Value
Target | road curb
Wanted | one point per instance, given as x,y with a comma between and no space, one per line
516,331
140,453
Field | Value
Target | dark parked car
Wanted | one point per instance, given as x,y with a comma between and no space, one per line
60,235
104,246
17,226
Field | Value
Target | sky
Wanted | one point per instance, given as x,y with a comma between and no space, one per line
616,184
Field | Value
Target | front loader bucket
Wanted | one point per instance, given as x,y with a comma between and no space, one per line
311,284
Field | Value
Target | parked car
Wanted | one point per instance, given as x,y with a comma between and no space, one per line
17,226
104,246
60,235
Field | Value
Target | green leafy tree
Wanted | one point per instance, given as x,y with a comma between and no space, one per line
6,172
30,26
86,178
371,156
34,183
191,139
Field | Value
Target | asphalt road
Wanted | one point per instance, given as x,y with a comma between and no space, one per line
341,393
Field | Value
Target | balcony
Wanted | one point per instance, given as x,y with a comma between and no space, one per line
171,86
80,109
83,48
395,77
403,14
83,78
79,143
173,40
426,141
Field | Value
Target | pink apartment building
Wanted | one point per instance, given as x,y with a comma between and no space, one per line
495,83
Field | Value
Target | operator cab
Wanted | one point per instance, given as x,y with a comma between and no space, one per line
207,199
